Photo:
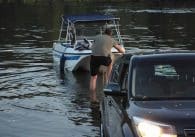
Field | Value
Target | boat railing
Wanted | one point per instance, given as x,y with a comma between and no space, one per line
68,35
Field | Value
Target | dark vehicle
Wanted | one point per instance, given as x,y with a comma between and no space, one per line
150,95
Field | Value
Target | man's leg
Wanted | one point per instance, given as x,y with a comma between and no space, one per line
92,87
108,72
93,80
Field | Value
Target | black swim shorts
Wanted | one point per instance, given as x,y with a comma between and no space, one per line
96,61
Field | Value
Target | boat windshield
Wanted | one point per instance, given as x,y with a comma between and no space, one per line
164,79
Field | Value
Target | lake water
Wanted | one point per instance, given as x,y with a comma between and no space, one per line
34,100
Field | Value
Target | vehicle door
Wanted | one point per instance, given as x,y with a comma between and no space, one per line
113,104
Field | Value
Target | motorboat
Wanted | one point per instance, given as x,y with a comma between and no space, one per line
72,49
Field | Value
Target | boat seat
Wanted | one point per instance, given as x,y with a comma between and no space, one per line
83,44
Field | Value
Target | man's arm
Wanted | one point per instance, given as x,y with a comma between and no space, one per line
120,48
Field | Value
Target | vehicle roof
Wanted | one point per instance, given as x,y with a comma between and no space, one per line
160,55
167,55
89,18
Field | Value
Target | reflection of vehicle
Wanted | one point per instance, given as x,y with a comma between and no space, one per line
72,49
150,95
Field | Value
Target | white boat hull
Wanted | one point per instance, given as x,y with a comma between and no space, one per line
73,59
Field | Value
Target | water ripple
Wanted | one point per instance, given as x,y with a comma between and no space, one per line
29,95
165,11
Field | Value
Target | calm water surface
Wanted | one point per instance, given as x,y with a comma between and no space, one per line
34,100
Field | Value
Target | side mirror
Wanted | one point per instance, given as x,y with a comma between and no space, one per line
114,89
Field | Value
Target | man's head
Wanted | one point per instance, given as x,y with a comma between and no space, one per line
108,31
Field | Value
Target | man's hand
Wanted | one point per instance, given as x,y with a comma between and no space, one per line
120,48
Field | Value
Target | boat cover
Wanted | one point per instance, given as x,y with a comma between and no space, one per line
85,18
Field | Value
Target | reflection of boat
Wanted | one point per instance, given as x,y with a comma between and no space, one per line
72,49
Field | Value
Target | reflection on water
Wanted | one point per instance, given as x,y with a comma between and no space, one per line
35,100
